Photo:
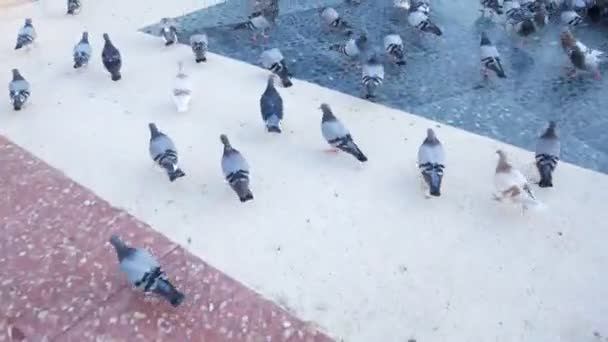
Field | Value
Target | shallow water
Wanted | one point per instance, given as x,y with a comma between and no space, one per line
441,80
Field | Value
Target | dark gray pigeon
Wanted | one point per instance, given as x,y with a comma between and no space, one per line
164,153
236,170
548,150
372,76
111,59
199,44
271,107
431,162
337,135
144,271
82,51
74,6
19,90
26,36
490,58
168,31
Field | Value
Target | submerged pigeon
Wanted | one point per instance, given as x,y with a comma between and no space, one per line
353,47
19,90
74,6
257,23
181,92
393,45
547,155
163,152
26,35
332,19
168,31
431,162
271,107
494,6
144,272
511,184
490,58
236,170
419,19
199,44
336,134
111,59
581,57
268,8
82,51
372,76
274,61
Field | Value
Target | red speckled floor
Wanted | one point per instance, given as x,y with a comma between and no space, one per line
59,279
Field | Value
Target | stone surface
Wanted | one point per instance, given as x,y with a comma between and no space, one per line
59,278
441,80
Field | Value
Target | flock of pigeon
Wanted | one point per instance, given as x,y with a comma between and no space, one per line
144,271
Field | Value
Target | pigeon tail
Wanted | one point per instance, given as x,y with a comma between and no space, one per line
273,129
122,250
174,172
201,59
116,76
432,28
435,184
546,176
241,26
273,124
165,289
241,187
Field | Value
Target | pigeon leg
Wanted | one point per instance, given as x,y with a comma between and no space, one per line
331,150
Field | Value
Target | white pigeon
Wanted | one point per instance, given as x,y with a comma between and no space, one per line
332,19
168,31
352,48
490,58
512,185
200,45
393,45
182,90
582,57
257,23
419,19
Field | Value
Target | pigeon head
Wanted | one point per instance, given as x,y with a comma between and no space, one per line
164,20
28,22
503,165
374,59
550,131
225,141
484,39
16,74
85,36
106,37
362,39
567,38
431,138
327,113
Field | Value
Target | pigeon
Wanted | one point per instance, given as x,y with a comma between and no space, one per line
418,19
511,184
547,155
332,19
431,162
372,76
199,45
570,18
168,31
267,8
74,6
274,61
26,36
490,58
82,51
182,89
337,135
582,57
393,45
271,107
164,153
258,23
236,170
494,6
423,6
111,59
144,272
19,90
353,47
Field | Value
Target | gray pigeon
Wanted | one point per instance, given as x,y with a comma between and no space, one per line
168,31
490,58
257,23
353,47
82,51
393,45
19,90
337,135
164,153
236,170
495,6
271,107
199,44
110,56
74,6
372,76
274,61
419,19
548,150
332,19
431,162
26,36
144,272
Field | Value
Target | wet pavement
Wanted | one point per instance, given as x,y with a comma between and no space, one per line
441,80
